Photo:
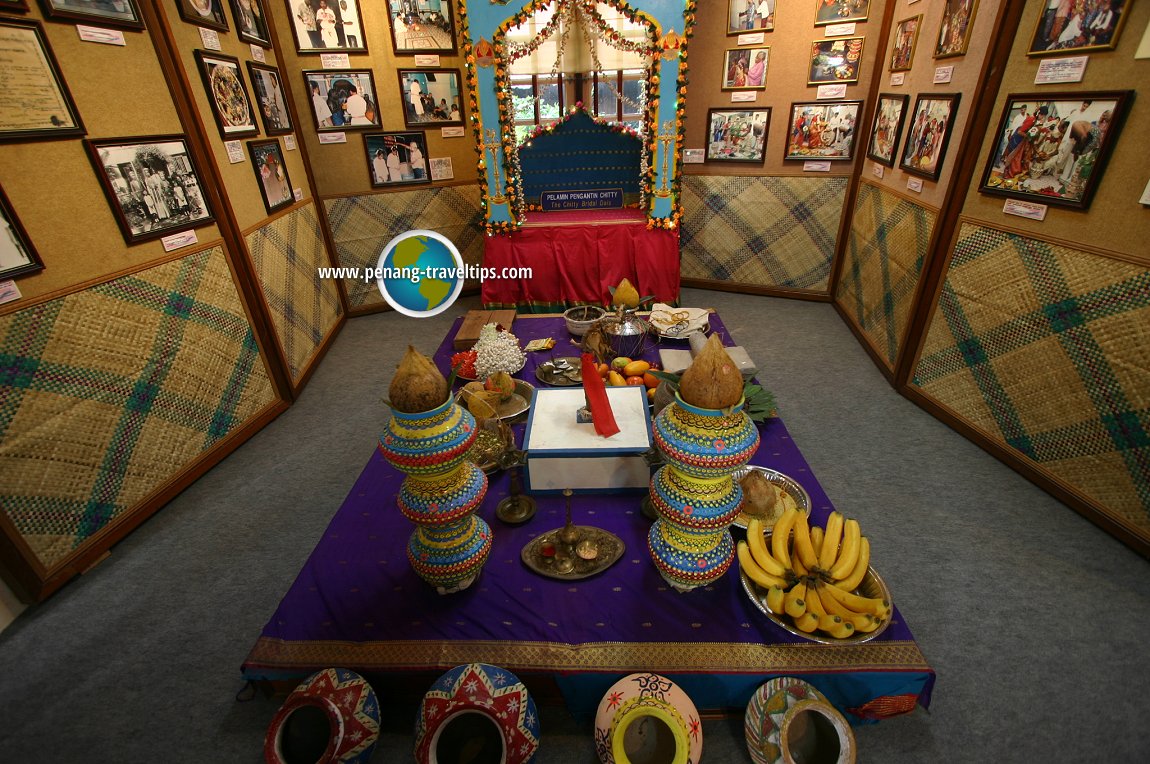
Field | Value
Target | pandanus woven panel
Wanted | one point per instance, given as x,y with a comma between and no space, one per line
886,248
363,225
761,231
1047,350
287,254
109,393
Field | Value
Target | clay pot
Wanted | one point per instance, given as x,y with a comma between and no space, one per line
790,722
332,716
647,719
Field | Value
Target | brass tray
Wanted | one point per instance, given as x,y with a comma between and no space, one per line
610,548
785,482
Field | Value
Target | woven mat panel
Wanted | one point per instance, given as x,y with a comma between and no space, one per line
761,231
1047,349
109,393
886,248
287,253
363,225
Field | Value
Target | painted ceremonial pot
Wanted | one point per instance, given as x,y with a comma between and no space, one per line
477,713
331,717
789,721
694,493
647,719
440,494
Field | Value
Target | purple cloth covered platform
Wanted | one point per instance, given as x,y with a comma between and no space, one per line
357,603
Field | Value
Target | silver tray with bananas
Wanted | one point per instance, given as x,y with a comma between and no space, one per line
789,491
872,586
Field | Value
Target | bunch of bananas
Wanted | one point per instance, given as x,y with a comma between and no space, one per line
811,574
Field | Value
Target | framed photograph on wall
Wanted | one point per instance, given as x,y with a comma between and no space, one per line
823,130
886,130
840,11
431,96
745,68
954,31
204,13
152,185
396,159
271,172
227,95
1067,29
750,16
41,107
737,135
835,60
251,22
1051,148
271,104
17,255
342,99
928,134
320,26
416,28
905,40
123,13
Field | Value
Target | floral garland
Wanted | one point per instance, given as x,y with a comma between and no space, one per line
672,222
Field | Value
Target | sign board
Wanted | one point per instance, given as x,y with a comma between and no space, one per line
605,199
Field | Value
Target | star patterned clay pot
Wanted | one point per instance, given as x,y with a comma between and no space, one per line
331,717
789,721
647,719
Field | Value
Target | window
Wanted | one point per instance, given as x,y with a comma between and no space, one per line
618,96
537,99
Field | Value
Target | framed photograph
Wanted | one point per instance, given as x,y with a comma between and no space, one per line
737,135
17,255
152,185
270,101
227,95
905,39
1068,28
841,11
320,26
420,28
431,96
121,13
342,99
396,159
251,22
271,172
823,130
34,102
835,60
750,16
1051,148
954,32
746,68
928,134
204,13
887,128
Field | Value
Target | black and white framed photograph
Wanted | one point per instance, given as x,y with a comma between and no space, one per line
823,130
227,95
737,135
746,68
17,255
41,105
835,60
397,159
152,185
267,87
105,13
204,13
320,26
750,16
928,134
431,96
251,22
1068,28
886,131
1052,148
840,11
422,26
271,172
342,99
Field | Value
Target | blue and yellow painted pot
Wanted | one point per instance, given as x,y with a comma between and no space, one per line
428,442
705,443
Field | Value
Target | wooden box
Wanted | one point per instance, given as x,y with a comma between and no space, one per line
475,320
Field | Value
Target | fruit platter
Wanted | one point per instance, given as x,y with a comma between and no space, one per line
501,396
813,582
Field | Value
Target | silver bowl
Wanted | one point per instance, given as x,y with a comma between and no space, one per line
785,482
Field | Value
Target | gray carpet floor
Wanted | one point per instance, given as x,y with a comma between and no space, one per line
1035,620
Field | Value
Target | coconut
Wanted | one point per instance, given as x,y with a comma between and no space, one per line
417,385
625,295
760,499
712,381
